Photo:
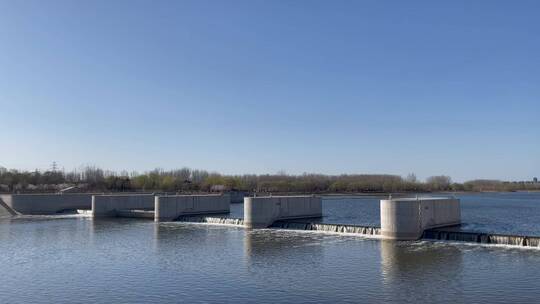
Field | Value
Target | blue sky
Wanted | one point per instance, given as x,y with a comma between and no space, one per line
429,87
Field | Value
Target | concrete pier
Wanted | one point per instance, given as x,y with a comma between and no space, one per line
261,212
115,205
37,204
170,207
407,218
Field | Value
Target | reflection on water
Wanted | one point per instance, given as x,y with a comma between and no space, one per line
411,258
423,268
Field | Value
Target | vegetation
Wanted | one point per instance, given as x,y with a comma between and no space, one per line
188,180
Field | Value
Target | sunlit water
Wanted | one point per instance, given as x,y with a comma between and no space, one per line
74,259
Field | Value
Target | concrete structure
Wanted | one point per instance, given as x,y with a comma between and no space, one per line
45,203
136,213
261,212
168,208
5,209
237,197
114,205
407,218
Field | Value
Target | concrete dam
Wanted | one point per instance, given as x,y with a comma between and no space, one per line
429,218
42,204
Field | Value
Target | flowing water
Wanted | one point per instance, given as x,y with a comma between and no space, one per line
74,259
212,220
332,228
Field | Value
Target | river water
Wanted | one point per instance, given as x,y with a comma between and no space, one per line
74,259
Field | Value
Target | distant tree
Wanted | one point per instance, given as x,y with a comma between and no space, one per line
411,178
487,185
439,183
140,182
93,178
183,174
168,183
212,180
118,183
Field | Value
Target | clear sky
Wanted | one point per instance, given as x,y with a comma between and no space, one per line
430,87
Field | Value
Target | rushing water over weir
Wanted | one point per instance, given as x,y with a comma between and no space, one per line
482,238
212,220
370,231
338,228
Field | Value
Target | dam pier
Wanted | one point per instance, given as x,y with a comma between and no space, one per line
408,218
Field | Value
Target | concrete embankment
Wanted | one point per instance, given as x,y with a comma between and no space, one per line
261,212
36,204
127,205
170,207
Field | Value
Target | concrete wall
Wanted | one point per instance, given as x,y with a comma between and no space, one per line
168,208
407,218
109,205
261,212
5,209
237,197
46,203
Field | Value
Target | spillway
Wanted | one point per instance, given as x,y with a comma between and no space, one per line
482,238
335,228
212,220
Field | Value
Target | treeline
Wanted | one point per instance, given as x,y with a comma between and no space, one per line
189,180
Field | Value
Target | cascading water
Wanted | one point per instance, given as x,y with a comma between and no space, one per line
336,228
434,234
533,241
482,238
212,220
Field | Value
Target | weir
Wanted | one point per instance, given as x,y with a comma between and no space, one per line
401,219
261,212
482,238
212,220
38,204
123,205
171,207
336,228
